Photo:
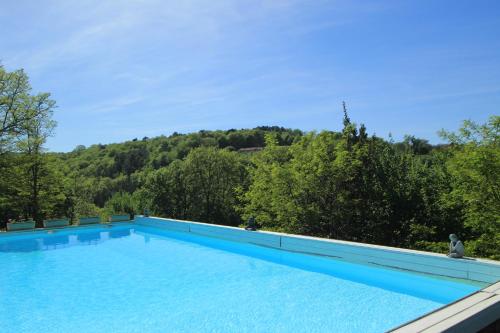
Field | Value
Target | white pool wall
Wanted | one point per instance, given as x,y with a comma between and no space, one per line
486,271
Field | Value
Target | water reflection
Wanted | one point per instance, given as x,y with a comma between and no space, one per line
119,233
55,242
89,238
22,245
61,239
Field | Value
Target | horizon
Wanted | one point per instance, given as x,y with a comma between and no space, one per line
151,68
388,139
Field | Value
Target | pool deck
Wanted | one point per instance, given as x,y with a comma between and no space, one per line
470,314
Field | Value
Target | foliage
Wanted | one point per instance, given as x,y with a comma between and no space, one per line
342,186
475,167
26,124
201,187
120,203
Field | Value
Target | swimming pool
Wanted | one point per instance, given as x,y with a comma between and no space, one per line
134,278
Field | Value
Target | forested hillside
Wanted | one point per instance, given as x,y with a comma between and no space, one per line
345,185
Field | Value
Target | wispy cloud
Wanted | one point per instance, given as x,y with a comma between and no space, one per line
107,106
99,30
147,65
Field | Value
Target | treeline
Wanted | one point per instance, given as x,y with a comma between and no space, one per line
345,185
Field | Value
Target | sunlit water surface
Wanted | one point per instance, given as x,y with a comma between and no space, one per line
141,279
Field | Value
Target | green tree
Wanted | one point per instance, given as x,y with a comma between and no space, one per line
212,176
14,106
38,173
202,187
166,191
348,186
267,196
19,109
475,166
120,203
26,122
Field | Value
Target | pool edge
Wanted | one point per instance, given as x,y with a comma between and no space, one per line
468,314
480,270
35,231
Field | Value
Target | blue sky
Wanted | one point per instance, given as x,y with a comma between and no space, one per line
125,69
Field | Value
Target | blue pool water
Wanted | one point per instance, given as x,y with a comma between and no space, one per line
132,278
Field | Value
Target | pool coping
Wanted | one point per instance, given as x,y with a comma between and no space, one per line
68,227
480,270
469,314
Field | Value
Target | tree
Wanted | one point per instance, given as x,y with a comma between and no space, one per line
11,206
267,196
25,123
212,176
18,107
202,187
37,170
166,191
348,186
121,203
475,166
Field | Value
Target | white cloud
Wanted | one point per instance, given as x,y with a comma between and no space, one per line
96,30
108,106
